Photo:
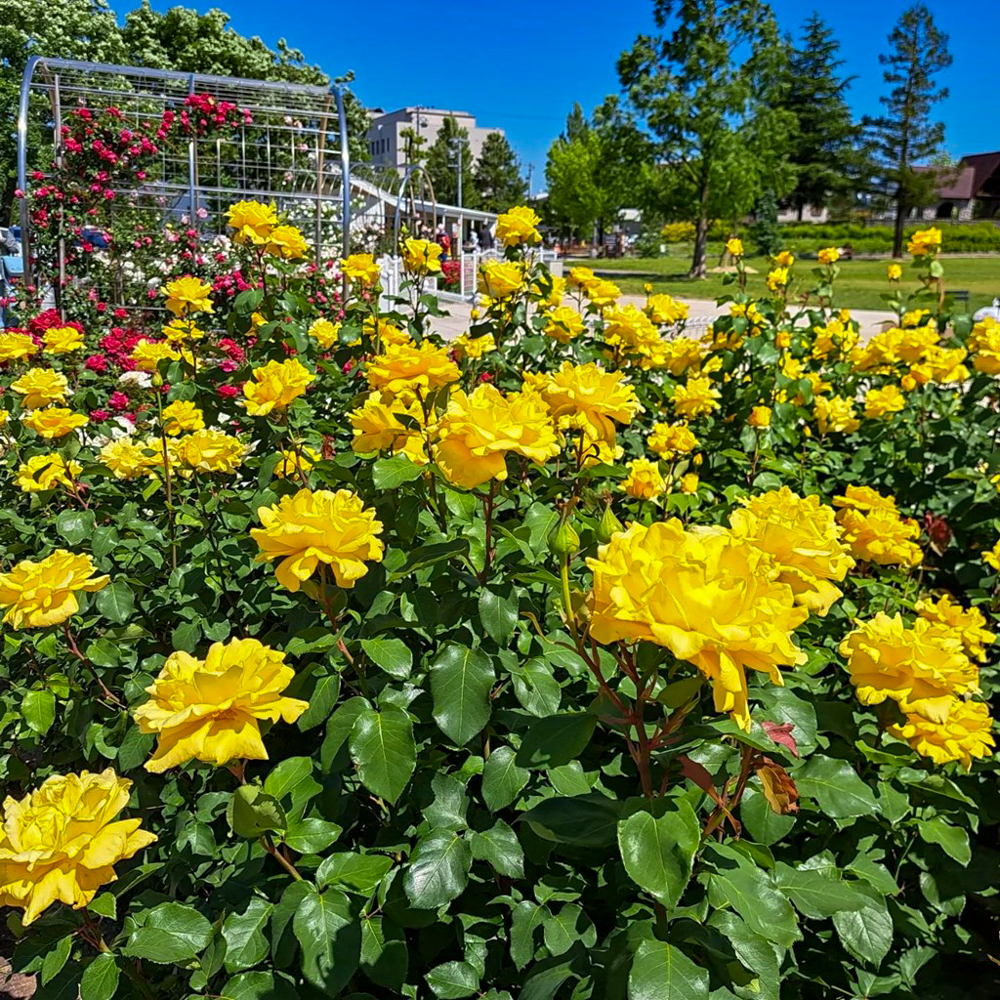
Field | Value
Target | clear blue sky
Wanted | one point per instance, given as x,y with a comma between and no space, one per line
521,64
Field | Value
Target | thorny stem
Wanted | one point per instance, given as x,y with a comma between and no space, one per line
266,843
488,503
167,478
75,650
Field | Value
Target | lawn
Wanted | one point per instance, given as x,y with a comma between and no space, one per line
860,283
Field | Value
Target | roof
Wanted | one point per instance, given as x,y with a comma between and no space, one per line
967,178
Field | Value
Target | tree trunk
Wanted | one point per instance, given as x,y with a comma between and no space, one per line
698,265
897,235
802,205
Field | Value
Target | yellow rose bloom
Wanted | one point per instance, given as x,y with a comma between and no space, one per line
252,221
62,340
39,594
206,451
589,399
287,243
46,472
405,369
549,290
695,398
181,331
360,269
499,279
777,279
864,498
564,324
126,458
984,343
478,430
677,355
968,623
689,482
924,242
181,416
421,257
916,317
992,557
735,247
388,333
275,386
800,533
879,534
293,463
60,843
311,528
475,347
630,328
377,427
603,293
893,272
670,440
644,480
964,735
211,709
834,414
327,334
54,422
16,346
920,668
785,259
941,365
704,593
760,416
186,296
835,336
38,387
830,255
147,354
665,310
581,277
884,402
517,227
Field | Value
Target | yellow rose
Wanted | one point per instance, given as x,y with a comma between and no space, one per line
695,398
785,259
478,430
39,594
871,525
387,333
800,533
54,422
206,451
965,734
311,528
630,328
920,668
992,557
186,296
211,709
941,365
360,269
735,247
62,340
327,334
287,243
665,310
421,257
377,427
924,242
499,279
834,414
893,272
984,343
293,463
182,416
16,346
406,369
581,277
126,458
475,347
45,472
60,843
707,595
967,623
644,480
777,279
564,324
181,331
830,255
760,416
517,227
884,402
252,221
275,386
689,482
38,387
147,354
602,293
671,440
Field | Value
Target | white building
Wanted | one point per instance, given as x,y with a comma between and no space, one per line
386,144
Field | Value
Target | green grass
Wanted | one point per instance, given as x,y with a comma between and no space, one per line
859,285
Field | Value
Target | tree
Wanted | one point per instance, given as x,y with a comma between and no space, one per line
498,179
592,167
905,135
822,143
442,165
717,122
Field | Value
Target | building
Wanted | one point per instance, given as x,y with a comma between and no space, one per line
387,145
969,191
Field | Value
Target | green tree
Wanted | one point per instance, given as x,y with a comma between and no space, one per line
498,179
716,121
823,139
442,165
905,135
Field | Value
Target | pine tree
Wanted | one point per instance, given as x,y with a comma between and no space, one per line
442,165
905,135
498,179
822,142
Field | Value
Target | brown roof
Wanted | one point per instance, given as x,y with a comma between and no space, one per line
967,178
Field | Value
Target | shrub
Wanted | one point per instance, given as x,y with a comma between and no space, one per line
677,232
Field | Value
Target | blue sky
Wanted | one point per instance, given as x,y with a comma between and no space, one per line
521,64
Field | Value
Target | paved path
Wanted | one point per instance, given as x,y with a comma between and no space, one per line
457,322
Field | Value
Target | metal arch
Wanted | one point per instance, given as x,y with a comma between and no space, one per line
345,169
414,168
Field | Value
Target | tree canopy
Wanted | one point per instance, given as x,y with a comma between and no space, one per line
498,179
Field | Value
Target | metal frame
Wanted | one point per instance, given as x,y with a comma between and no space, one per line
137,87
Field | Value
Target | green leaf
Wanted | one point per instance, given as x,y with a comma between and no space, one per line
39,710
556,740
312,835
75,526
536,688
100,978
500,847
816,893
329,933
835,787
104,905
438,870
571,924
763,823
661,971
502,778
56,958
256,986
658,851
391,655
243,933
293,777
116,601
498,615
581,820
428,555
361,872
391,473
384,954
321,702
135,749
540,520
953,840
382,749
447,811
453,980
525,919
172,933
461,681
866,933
251,812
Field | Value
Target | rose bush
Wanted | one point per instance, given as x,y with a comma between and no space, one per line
581,657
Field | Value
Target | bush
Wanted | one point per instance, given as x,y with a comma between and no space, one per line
974,238
678,232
